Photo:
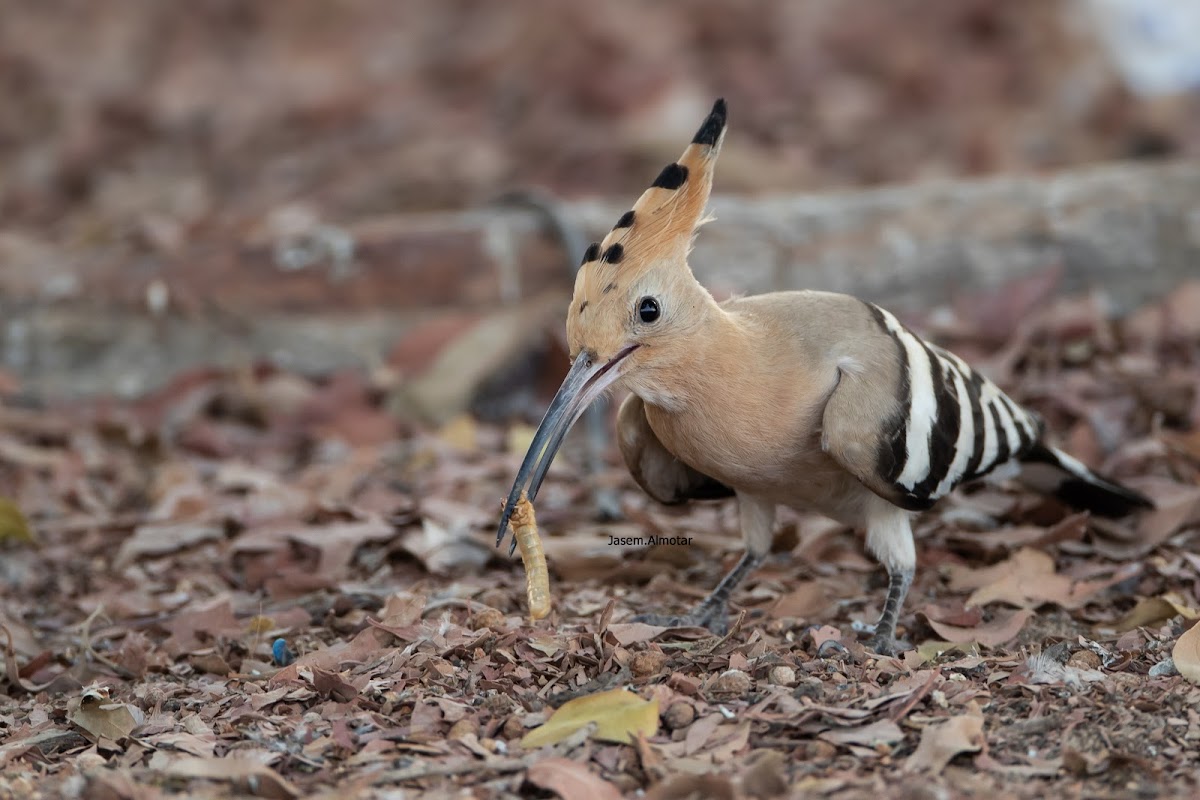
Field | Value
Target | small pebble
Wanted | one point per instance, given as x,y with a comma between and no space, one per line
732,681
782,675
1084,659
679,715
647,662
1164,668
819,751
513,729
488,618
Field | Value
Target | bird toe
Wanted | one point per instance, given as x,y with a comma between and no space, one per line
716,623
888,645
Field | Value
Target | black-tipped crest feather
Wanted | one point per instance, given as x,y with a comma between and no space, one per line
672,177
710,130
614,254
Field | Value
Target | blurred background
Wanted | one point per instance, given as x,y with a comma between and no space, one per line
322,184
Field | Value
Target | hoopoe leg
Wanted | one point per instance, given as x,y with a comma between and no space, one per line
758,531
890,539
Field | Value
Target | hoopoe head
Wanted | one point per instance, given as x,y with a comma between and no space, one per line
635,298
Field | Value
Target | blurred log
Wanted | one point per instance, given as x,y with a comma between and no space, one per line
1132,231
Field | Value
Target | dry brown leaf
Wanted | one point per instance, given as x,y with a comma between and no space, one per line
184,742
700,732
618,715
1173,513
1003,628
883,731
337,543
24,639
1186,654
446,549
631,633
162,538
765,774
94,714
189,629
332,685
257,777
1006,540
807,601
942,741
570,780
732,744
1028,579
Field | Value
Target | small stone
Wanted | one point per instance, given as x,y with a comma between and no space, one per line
1084,659
513,729
731,681
819,751
647,662
1164,668
488,618
498,703
782,675
679,715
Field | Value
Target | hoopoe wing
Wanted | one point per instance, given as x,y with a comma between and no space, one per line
922,424
660,474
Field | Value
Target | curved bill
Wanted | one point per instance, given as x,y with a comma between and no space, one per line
585,381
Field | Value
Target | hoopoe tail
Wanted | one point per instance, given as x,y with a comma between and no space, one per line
1050,470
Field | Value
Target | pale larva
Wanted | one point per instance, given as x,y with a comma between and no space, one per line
537,577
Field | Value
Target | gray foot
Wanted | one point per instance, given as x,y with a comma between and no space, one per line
888,645
607,505
716,619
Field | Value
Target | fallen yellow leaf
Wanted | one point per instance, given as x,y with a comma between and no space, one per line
520,438
461,432
13,524
1186,654
619,716
1151,610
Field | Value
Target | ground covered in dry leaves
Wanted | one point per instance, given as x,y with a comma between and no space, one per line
260,584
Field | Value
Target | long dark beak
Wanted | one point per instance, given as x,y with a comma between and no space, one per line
586,380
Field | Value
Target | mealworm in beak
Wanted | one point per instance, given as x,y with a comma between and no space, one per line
537,576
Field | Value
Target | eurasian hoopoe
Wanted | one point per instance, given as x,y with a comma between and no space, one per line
812,400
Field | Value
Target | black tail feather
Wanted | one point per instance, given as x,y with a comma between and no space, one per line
1054,472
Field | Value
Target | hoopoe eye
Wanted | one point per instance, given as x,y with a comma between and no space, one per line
648,309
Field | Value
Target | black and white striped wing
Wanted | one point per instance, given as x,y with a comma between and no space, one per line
943,423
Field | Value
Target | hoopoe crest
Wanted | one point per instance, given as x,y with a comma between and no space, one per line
644,256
